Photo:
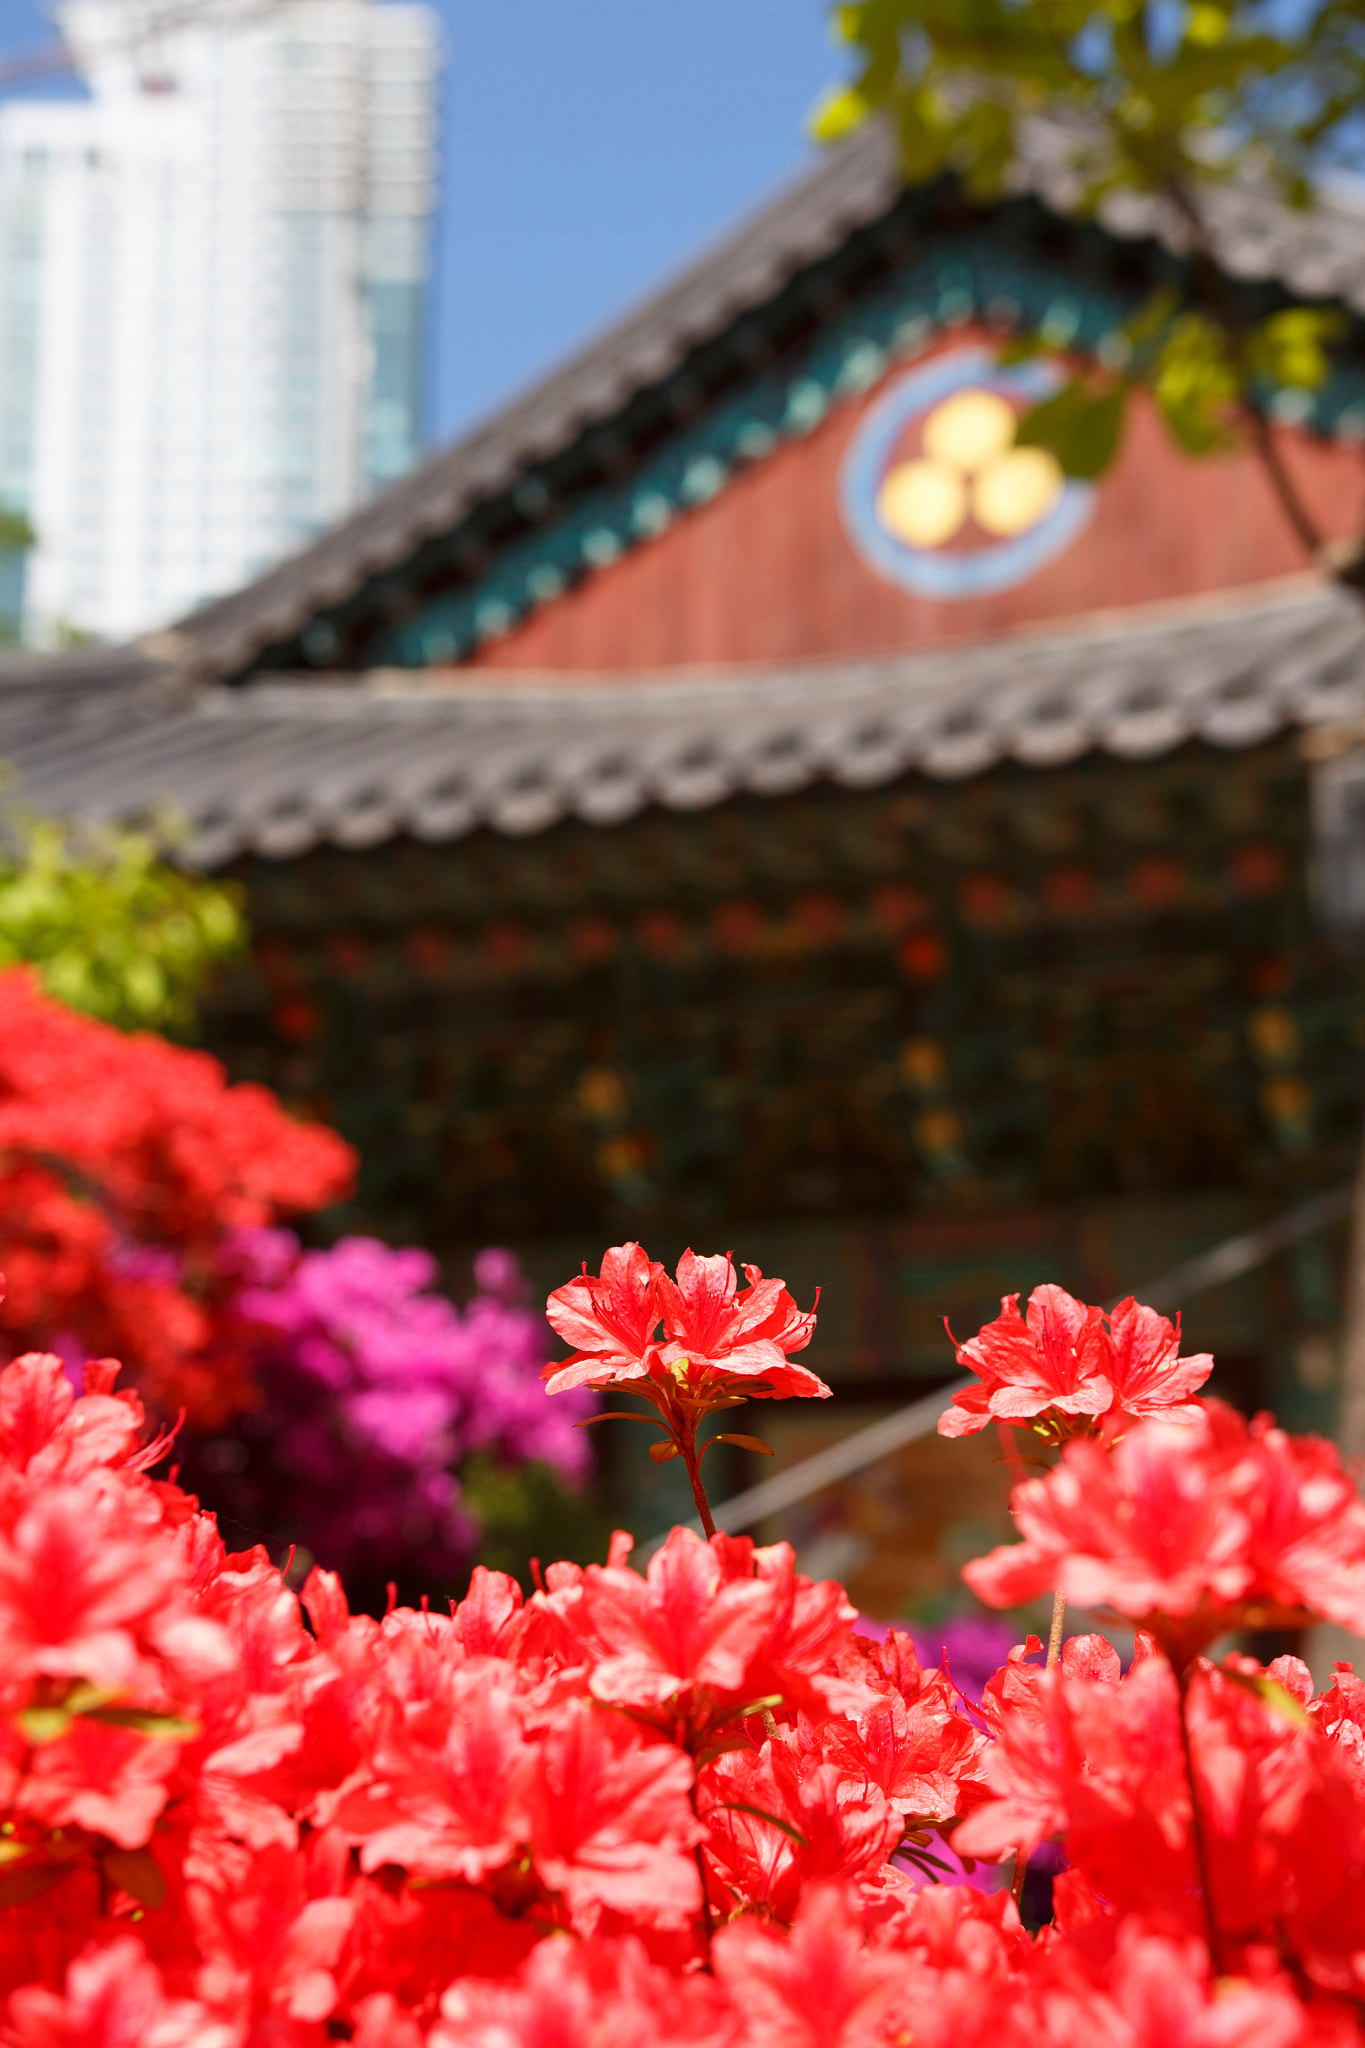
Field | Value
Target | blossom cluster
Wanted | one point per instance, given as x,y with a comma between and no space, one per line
373,1390
123,1160
695,1805
687,1347
1067,1366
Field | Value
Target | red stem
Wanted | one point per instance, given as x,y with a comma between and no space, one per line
707,1921
686,1441
1198,1841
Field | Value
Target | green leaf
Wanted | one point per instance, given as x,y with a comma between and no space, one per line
1268,1690
1153,317
1289,350
1206,26
837,113
135,1871
1081,428
761,1813
40,1725
927,1863
169,1727
954,79
1197,383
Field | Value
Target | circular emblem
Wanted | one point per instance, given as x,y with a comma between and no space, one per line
937,497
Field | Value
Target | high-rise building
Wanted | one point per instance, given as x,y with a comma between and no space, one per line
212,285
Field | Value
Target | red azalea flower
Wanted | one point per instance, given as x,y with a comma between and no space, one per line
1054,1361
719,1346
112,1997
1148,1375
715,1330
820,1986
786,1814
681,1640
1160,1525
610,1318
1190,1528
1071,1370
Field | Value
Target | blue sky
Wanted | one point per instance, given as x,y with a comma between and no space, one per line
590,147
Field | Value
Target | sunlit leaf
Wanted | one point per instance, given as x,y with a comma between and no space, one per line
1270,1691
1289,351
838,113
1080,427
40,1725
169,1727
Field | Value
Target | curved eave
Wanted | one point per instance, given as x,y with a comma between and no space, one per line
281,766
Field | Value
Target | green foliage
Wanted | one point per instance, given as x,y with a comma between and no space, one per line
526,1511
1289,351
1160,99
1196,370
1080,426
111,926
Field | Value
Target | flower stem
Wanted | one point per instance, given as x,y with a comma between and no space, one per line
707,1919
1054,1639
686,1440
1198,1841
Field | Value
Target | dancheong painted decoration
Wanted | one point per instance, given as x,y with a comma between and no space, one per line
937,497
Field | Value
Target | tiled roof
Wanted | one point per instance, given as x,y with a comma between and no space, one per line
279,765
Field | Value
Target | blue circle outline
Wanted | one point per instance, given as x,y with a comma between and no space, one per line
926,571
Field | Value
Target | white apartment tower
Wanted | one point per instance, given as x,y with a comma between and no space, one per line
212,285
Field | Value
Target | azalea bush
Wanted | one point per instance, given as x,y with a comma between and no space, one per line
331,1398
389,1424
693,1806
124,1162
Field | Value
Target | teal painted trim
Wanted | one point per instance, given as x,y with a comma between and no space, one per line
948,285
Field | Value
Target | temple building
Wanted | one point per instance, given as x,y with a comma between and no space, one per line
737,797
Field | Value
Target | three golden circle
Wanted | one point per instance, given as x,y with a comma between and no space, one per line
970,465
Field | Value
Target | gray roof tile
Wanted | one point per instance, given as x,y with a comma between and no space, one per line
282,764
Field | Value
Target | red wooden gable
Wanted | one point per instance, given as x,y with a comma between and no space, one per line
767,571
